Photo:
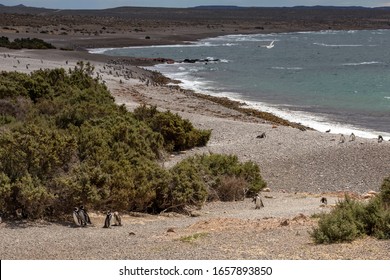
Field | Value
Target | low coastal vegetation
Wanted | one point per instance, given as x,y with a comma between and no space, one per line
352,219
64,142
25,43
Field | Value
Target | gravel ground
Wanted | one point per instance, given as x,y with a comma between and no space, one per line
232,230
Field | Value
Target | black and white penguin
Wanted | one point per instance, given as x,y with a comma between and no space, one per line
107,221
117,219
84,216
258,202
76,216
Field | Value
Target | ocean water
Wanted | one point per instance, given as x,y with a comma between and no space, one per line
338,80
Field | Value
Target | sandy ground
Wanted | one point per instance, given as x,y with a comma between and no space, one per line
299,167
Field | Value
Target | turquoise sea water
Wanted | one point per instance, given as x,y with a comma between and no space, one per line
337,80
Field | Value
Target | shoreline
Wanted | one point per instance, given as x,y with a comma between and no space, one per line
300,119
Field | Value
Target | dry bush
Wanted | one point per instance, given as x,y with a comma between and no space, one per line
231,188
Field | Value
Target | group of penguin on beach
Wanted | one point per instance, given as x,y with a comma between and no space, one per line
81,218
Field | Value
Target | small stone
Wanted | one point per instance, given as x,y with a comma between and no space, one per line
285,223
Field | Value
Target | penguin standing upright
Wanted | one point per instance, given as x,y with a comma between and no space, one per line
258,202
76,216
117,219
107,221
84,216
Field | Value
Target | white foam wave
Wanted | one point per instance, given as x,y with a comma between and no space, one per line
237,38
387,97
336,46
316,122
100,50
189,45
362,63
287,68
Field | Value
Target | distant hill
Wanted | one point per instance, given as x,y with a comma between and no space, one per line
22,9
218,7
305,17
120,11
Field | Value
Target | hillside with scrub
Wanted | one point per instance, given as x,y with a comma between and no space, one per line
64,142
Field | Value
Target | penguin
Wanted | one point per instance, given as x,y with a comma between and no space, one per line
117,219
380,139
324,200
352,137
107,221
76,216
258,202
84,216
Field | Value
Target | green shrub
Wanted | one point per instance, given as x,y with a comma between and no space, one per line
341,224
222,176
5,191
35,150
385,193
217,165
30,195
25,43
351,219
178,133
64,142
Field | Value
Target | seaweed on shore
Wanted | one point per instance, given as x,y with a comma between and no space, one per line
160,79
236,105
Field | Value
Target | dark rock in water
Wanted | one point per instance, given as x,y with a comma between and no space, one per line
189,60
